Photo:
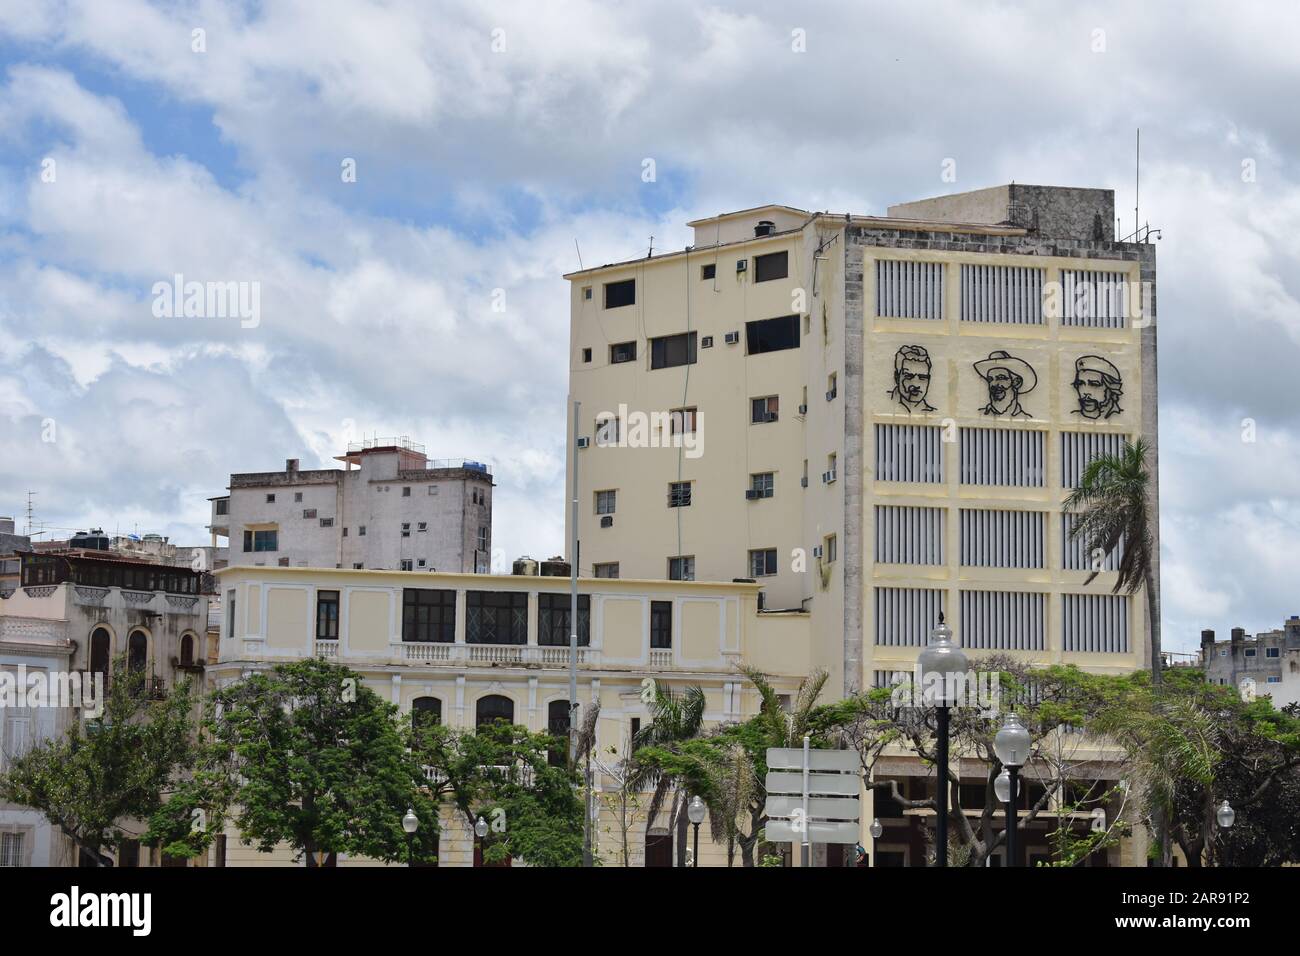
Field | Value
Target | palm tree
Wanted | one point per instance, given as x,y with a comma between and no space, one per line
675,720
1113,507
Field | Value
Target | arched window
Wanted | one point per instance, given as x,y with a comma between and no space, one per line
426,712
137,651
101,651
492,708
187,650
557,725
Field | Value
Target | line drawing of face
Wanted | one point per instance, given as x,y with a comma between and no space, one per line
1098,387
914,381
1093,394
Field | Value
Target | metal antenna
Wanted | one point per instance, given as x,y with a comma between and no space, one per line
1137,179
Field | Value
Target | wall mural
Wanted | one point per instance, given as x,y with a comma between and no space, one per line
1008,378
912,379
1098,385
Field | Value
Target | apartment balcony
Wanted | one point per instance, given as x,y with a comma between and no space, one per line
33,630
522,655
327,650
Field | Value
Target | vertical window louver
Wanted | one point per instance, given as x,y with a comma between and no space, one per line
909,535
1002,456
1003,620
909,453
905,616
1002,539
909,290
889,678
1079,448
1075,555
1095,300
1011,294
1095,623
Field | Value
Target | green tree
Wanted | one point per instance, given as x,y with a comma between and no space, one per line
503,773
675,719
305,755
108,770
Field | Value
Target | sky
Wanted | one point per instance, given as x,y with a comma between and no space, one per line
404,184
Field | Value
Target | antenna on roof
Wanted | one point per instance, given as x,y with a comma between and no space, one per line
652,248
579,251
1137,178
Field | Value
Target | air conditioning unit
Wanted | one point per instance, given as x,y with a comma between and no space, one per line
803,482
769,416
830,396
828,476
607,521
751,494
733,338
706,342
803,409
817,551
742,265
584,442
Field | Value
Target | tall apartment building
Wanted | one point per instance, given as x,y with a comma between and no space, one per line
390,508
876,418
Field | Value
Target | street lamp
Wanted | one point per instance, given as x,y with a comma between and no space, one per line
410,823
1011,745
942,663
695,813
1226,815
876,829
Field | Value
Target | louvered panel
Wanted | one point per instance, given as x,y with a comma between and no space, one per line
1008,294
909,453
909,290
1095,623
1002,539
889,678
1002,456
905,616
1079,448
1003,620
907,535
1094,299
1075,555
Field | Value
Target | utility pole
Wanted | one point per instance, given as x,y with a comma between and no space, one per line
575,709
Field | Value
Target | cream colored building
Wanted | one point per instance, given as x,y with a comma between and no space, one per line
501,649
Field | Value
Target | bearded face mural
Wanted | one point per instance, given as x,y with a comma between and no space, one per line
1008,378
1098,386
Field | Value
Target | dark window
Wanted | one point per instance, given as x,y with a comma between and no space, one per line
763,484
327,615
557,725
764,409
679,494
137,651
606,502
309,512
586,355
661,623
270,499
762,562
496,617
297,496
187,650
709,271
681,568
670,351
428,615
772,335
492,708
622,352
618,294
100,651
553,620
223,508
606,570
128,853
230,614
262,540
774,265
426,712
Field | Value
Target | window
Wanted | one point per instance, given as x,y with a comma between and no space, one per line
268,540
906,535
1002,456
1079,448
557,725
406,529
909,290
11,849
223,506
909,453
1097,300
137,651
422,526
606,502
327,522
433,489
483,533
679,494
408,564
345,532
1250,652
327,615
762,562
762,484
553,620
1093,623
622,352
586,355
1275,680
1001,294
670,351
772,335
661,624
496,617
762,410
774,265
1272,652
586,292
1005,620
426,712
101,643
832,387
830,548
358,565
1003,539
619,294
681,421
406,491
428,615
607,570
361,530
297,496
708,271
493,708
607,431
230,615
681,568
284,562
420,563
270,499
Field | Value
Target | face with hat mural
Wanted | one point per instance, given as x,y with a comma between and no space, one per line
1008,378
1098,385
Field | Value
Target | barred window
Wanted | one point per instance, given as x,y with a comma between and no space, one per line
1002,539
553,620
1002,456
905,616
1095,623
1003,620
909,535
909,453
909,290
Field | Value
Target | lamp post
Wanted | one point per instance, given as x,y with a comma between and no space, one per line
695,813
1224,817
1011,745
942,666
410,823
480,831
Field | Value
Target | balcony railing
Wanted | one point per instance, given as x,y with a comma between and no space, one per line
522,654
661,657
327,650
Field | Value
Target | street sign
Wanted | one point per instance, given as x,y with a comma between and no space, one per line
819,808
791,758
782,831
833,784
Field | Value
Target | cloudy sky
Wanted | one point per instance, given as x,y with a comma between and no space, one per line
487,137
